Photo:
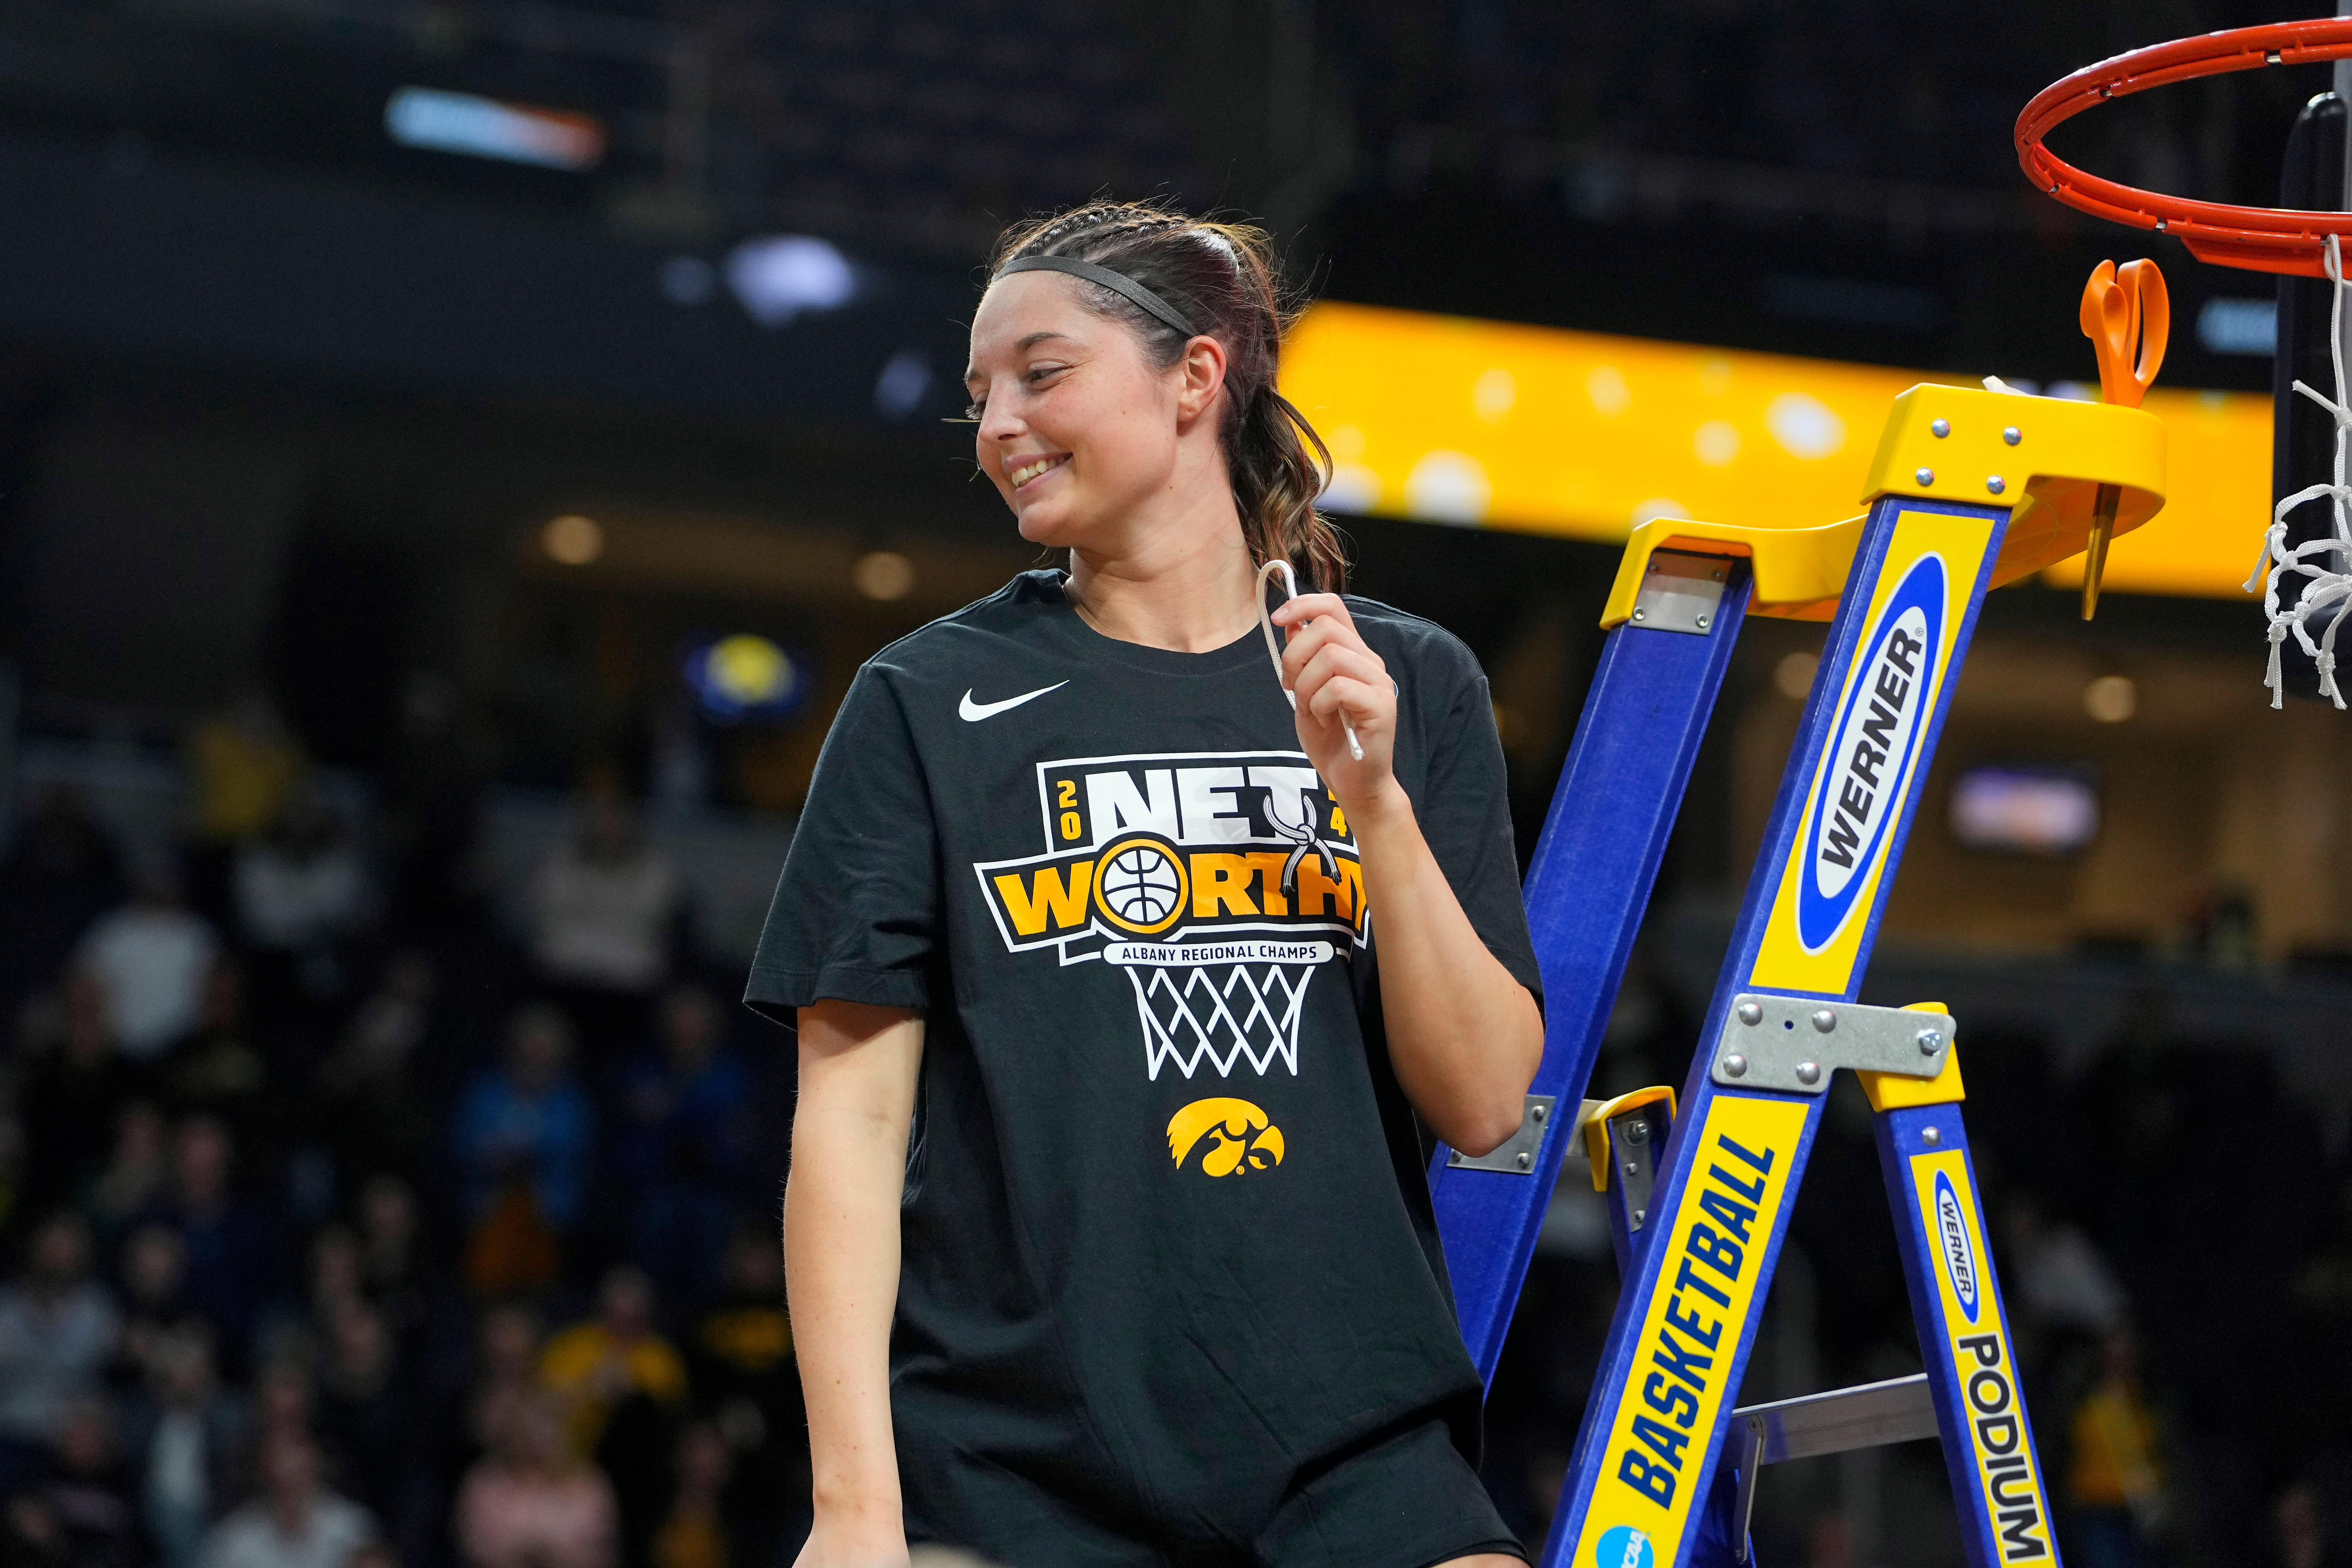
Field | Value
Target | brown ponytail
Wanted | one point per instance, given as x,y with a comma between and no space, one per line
1225,279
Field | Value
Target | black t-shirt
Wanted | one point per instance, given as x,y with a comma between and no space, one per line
1169,1246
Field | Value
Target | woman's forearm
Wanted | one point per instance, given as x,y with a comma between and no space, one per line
858,1067
1464,1036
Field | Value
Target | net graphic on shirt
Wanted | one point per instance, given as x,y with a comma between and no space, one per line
1220,1013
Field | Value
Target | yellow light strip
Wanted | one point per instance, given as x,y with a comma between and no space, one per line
1484,424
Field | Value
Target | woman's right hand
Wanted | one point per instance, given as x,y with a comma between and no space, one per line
838,1546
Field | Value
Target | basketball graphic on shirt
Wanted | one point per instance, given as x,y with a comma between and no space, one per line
1233,1137
1140,885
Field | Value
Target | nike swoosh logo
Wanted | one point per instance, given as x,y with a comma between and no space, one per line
973,712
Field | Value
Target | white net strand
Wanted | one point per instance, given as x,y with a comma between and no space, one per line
2322,561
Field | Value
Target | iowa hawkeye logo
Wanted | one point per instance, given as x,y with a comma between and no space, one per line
1170,848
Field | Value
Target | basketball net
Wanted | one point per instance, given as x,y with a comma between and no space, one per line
2322,561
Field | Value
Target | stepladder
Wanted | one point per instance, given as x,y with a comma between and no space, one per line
1968,489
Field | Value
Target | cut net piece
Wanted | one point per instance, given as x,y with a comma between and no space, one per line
2322,563
1223,1013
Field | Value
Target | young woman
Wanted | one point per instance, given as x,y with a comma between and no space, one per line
1120,986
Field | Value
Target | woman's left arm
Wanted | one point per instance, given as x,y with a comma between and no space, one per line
1464,1035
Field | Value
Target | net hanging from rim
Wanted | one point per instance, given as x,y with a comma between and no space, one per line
2261,239
2321,561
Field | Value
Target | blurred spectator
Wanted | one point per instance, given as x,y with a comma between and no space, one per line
333,1280
391,1247
187,1434
506,1370
295,1522
614,1357
154,1273
57,1329
282,1406
247,762
693,1535
364,1411
627,1388
740,1360
73,1095
229,1273
603,912
218,1069
532,1503
60,875
684,1144
152,957
364,1104
301,887
2117,1511
135,1172
88,1495
2062,1280
523,1138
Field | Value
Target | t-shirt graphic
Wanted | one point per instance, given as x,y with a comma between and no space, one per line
1218,882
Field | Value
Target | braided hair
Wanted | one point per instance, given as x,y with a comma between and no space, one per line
1225,279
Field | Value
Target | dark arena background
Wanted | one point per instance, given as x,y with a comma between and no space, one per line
454,455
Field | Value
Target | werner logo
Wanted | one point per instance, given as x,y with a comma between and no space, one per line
1960,1258
1871,752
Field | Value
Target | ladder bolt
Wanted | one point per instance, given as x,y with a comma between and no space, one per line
1537,1112
2012,434
1735,1065
1640,1215
1995,483
1931,1136
1824,1020
1526,1160
1930,1042
1942,427
1640,614
1752,1013
1637,1133
1702,623
1926,476
1808,1072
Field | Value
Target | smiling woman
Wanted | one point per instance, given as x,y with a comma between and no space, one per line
1066,849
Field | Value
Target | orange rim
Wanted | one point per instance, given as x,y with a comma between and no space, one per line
2261,239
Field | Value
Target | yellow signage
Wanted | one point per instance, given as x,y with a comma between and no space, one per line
1486,423
1698,1317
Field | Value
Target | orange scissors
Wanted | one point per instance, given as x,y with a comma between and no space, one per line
2127,316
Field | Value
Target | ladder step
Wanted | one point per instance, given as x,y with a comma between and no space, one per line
1863,1416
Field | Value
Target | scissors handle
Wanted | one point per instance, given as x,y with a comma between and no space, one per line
2127,316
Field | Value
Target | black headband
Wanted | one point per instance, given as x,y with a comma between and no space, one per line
1116,282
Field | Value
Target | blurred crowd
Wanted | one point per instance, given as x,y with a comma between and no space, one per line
351,1218
348,1224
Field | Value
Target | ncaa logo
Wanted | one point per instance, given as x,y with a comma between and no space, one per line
1872,747
1960,1258
1623,1546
